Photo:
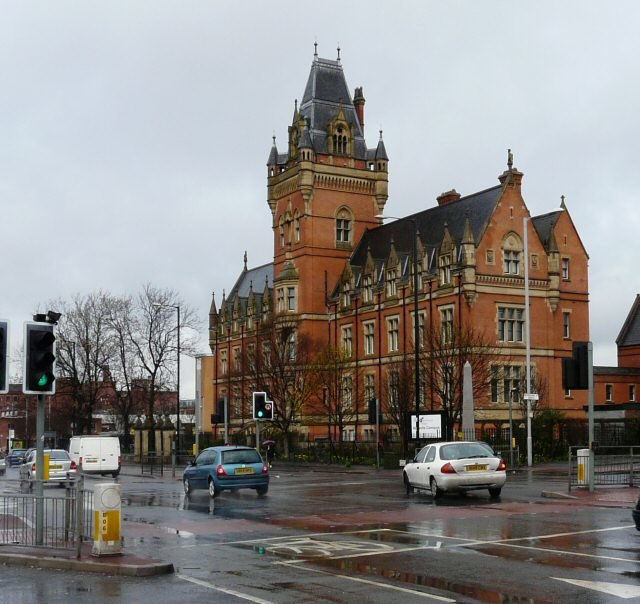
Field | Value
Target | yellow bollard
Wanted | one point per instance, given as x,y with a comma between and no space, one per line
107,519
46,471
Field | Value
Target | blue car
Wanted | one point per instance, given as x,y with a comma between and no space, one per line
224,468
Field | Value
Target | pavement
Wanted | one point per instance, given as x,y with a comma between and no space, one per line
135,566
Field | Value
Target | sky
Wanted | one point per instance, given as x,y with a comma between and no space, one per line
134,135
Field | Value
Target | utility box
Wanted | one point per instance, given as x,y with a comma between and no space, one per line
583,467
106,519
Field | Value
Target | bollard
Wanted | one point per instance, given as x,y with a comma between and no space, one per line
583,466
106,519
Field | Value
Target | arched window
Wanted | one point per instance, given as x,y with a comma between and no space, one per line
281,229
340,141
512,256
344,225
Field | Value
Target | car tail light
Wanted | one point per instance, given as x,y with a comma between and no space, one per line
501,466
220,470
73,465
119,460
265,468
80,460
448,469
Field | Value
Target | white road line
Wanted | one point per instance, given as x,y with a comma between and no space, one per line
620,590
231,592
307,535
413,592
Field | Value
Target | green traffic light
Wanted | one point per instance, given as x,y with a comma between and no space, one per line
43,380
260,413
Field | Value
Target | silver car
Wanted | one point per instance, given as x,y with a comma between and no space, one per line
3,464
61,467
456,466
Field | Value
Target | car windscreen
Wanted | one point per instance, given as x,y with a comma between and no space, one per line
58,455
243,456
465,450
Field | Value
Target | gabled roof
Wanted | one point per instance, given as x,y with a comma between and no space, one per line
256,278
544,226
431,223
630,333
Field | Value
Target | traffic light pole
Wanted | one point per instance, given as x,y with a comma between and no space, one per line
39,491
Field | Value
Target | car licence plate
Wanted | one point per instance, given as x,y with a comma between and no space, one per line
55,467
478,467
244,471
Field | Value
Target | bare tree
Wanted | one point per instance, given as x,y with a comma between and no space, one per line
284,367
84,348
399,392
443,370
153,339
336,374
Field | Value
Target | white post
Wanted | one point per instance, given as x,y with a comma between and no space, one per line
525,222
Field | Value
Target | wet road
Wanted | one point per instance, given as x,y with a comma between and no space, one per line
327,536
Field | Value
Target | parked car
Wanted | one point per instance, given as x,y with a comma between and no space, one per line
227,468
456,466
3,465
636,514
61,466
15,457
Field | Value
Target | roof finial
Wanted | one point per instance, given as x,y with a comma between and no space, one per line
315,53
338,52
509,159
245,260
274,139
380,133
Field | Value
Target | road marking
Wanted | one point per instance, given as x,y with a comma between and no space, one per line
620,590
231,592
413,592
308,535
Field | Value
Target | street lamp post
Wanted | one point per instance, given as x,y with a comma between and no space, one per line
177,444
416,324
527,339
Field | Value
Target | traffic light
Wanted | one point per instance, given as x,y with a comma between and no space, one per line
218,416
39,358
262,408
575,370
4,357
372,412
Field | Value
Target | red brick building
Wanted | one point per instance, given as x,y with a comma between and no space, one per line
346,279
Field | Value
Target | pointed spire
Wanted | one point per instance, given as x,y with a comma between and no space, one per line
338,52
245,261
562,204
213,311
273,154
381,152
467,235
315,52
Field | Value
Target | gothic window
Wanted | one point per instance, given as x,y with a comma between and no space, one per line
291,346
347,392
280,299
369,386
346,295
281,231
296,227
291,298
511,254
344,222
340,141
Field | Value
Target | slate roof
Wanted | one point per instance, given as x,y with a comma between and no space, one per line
630,333
478,207
257,277
544,226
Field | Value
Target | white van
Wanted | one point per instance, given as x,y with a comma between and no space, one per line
96,454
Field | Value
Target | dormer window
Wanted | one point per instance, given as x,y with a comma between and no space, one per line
346,296
392,282
511,262
367,289
340,141
445,269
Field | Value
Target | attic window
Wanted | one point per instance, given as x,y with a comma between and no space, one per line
392,282
445,269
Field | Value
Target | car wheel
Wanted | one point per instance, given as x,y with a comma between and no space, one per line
187,487
495,492
262,490
213,492
407,485
435,489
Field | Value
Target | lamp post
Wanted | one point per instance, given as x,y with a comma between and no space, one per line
416,323
527,339
177,447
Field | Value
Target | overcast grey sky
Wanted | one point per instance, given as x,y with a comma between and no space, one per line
137,132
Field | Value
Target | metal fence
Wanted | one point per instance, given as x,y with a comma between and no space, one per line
613,465
67,518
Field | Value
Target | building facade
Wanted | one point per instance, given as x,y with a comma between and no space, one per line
344,279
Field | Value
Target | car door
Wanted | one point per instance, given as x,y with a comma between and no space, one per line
413,469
